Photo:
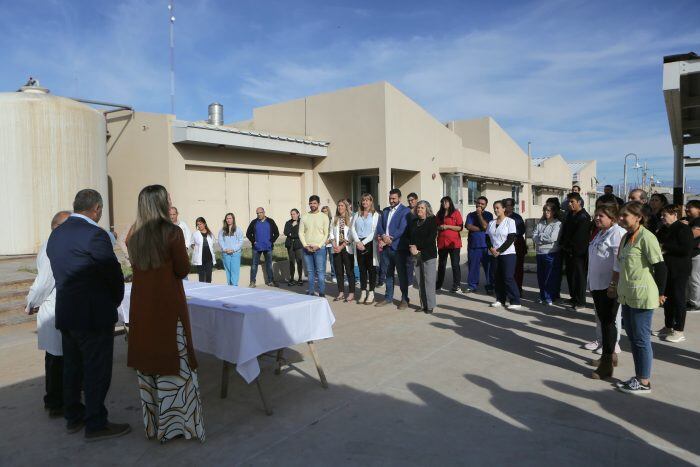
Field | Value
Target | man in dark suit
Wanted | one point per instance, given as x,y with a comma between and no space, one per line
391,231
89,288
573,240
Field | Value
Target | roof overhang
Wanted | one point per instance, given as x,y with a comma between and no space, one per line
682,96
482,176
204,134
544,186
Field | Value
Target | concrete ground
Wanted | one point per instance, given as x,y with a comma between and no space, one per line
468,385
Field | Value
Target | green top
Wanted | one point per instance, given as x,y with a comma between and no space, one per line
636,287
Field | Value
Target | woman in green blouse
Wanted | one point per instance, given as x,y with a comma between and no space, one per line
642,275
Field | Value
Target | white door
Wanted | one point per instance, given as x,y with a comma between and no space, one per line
237,199
285,194
206,193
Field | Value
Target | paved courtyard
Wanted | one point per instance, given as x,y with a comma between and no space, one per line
468,385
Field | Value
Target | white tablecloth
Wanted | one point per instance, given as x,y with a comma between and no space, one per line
239,324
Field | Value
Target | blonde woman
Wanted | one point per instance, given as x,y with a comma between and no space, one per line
343,250
364,230
160,338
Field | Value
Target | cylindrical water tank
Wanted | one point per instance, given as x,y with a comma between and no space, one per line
50,147
216,114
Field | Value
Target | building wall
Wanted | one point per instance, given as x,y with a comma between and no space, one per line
553,172
588,182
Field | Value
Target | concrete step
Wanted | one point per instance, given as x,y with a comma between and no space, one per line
13,313
22,285
12,295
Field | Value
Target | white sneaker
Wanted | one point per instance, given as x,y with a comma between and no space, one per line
617,348
591,345
599,350
370,298
363,296
496,305
514,307
674,336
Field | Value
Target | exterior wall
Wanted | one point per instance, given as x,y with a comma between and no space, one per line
587,180
553,173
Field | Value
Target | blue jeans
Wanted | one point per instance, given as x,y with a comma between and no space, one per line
549,276
638,327
477,258
232,265
395,260
316,268
268,265
506,287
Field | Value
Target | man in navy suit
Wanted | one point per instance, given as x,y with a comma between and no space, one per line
89,288
391,232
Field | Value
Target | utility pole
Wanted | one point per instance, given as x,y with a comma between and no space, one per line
636,166
171,19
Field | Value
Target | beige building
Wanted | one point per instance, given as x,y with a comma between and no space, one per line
584,174
339,144
550,178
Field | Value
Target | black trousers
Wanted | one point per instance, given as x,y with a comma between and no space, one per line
453,253
295,257
368,271
344,265
204,272
87,365
576,268
606,310
53,367
675,306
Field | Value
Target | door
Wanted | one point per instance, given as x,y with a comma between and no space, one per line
285,194
259,192
206,193
237,200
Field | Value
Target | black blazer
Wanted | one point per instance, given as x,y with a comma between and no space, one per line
89,279
292,233
575,233
677,244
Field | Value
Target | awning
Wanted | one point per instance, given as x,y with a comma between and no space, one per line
482,176
222,136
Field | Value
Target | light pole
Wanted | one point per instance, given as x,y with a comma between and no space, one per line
636,166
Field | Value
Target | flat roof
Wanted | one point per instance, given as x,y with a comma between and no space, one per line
205,134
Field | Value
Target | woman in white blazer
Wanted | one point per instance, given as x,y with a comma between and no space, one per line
364,232
343,248
203,253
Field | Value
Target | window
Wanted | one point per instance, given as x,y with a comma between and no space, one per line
473,192
515,194
534,197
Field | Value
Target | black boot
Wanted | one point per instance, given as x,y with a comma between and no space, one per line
605,368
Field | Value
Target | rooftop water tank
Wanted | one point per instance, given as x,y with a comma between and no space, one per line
216,114
50,148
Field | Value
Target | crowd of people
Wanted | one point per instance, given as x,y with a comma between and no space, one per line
633,257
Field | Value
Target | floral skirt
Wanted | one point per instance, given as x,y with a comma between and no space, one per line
171,404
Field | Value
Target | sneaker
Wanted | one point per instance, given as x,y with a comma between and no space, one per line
662,332
454,290
112,430
291,283
251,285
514,307
383,303
469,290
599,350
592,345
403,305
362,297
674,336
634,386
370,298
496,304
547,303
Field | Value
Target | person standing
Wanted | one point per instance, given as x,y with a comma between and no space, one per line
174,218
602,265
692,210
231,244
422,234
546,240
364,233
520,244
500,239
657,202
294,247
352,215
262,233
574,246
412,200
449,242
313,233
609,191
566,206
642,276
160,337
203,254
42,299
392,239
477,252
677,243
89,288
329,245
343,250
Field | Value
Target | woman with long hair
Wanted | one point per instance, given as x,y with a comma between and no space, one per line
343,250
602,262
231,244
500,238
692,210
449,242
294,247
364,231
160,338
677,243
329,245
642,276
203,253
546,240
422,239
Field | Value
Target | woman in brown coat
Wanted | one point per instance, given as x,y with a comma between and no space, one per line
160,338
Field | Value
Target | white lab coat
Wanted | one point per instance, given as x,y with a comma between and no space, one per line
371,238
186,233
198,243
42,294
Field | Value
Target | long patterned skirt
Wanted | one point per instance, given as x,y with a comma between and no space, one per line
171,404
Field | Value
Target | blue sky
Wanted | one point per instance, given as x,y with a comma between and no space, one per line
580,78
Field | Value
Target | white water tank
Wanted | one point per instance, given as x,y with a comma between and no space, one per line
50,147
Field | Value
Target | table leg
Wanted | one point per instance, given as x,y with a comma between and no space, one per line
280,353
224,378
268,410
321,374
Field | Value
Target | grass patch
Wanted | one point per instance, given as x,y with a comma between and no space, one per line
28,269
